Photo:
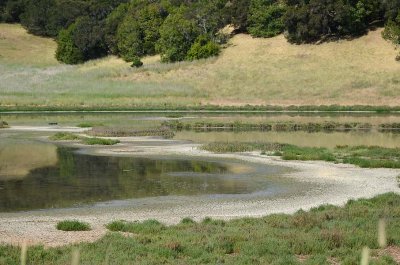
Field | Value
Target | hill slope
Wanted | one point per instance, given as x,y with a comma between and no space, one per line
250,71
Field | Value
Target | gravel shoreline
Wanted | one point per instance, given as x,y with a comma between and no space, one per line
325,183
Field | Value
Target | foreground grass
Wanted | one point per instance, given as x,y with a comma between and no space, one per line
324,235
357,72
363,156
73,225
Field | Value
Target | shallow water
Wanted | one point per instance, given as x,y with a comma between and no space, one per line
39,175
35,175
314,139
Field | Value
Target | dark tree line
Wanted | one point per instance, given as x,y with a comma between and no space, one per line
191,29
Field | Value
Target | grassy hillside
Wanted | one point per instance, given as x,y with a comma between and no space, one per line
250,71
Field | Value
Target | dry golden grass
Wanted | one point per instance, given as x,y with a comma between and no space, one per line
17,46
250,71
272,71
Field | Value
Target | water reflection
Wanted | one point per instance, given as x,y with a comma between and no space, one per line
79,178
16,161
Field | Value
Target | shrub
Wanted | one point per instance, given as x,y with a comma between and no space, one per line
73,225
136,62
187,220
266,18
203,48
177,35
67,52
392,31
3,124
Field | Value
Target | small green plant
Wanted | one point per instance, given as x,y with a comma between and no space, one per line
136,62
88,124
4,124
64,136
99,141
174,115
145,227
73,225
187,220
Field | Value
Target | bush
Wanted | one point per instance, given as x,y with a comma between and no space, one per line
3,124
266,18
392,31
136,62
177,35
187,220
12,11
203,48
73,225
67,52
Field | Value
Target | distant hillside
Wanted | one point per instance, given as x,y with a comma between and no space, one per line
249,71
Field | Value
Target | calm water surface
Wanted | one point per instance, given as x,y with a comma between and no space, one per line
36,175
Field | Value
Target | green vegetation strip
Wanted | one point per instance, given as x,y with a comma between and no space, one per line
324,235
216,108
124,132
274,126
363,156
62,136
73,225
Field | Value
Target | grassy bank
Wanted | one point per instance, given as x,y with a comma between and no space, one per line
84,140
324,235
361,72
363,156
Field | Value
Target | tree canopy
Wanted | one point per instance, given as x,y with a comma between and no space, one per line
189,30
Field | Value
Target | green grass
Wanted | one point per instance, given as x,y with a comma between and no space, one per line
355,73
146,227
73,225
323,235
64,136
99,141
363,156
